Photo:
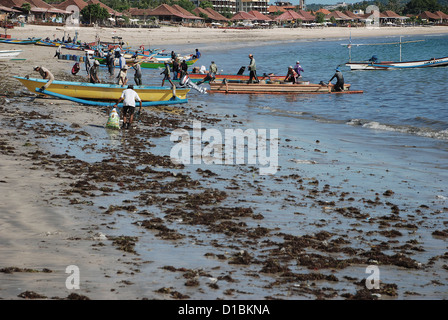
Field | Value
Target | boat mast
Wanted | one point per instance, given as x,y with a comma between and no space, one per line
400,48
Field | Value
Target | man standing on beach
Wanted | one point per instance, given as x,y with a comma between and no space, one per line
167,76
58,52
88,63
138,72
93,74
110,62
252,69
129,96
46,74
123,76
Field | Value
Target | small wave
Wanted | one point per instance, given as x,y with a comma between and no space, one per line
419,131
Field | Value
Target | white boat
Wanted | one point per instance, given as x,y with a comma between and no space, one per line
385,65
9,54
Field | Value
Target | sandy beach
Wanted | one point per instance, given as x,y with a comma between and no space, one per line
66,188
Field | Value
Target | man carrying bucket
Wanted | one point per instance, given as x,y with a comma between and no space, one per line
129,96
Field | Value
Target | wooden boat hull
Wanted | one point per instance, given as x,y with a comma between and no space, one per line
9,54
48,43
386,65
219,77
103,92
17,41
274,88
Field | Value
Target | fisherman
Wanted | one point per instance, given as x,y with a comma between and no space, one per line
123,76
197,55
129,96
176,69
212,71
298,69
252,70
138,72
93,74
46,74
339,86
291,76
88,63
121,61
58,52
110,62
167,76
183,66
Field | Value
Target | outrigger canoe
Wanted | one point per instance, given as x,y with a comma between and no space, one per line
102,92
232,77
387,65
18,41
275,87
9,54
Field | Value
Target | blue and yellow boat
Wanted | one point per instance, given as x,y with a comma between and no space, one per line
103,91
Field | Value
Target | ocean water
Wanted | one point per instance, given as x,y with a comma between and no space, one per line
409,101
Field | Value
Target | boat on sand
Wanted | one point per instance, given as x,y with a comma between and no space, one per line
102,92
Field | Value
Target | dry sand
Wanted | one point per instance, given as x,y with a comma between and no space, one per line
38,230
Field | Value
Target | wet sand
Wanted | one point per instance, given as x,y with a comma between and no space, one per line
139,227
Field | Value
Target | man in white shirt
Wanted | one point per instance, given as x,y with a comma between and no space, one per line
129,96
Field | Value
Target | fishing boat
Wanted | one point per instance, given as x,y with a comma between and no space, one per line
18,41
102,92
48,43
275,87
9,54
150,63
374,64
386,65
232,77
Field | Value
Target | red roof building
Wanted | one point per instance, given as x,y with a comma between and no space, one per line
428,16
216,14
307,15
211,14
441,15
64,5
241,16
338,15
290,15
274,9
165,12
259,16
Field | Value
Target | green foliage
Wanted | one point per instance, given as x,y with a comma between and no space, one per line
94,12
418,6
186,4
206,4
26,7
320,17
